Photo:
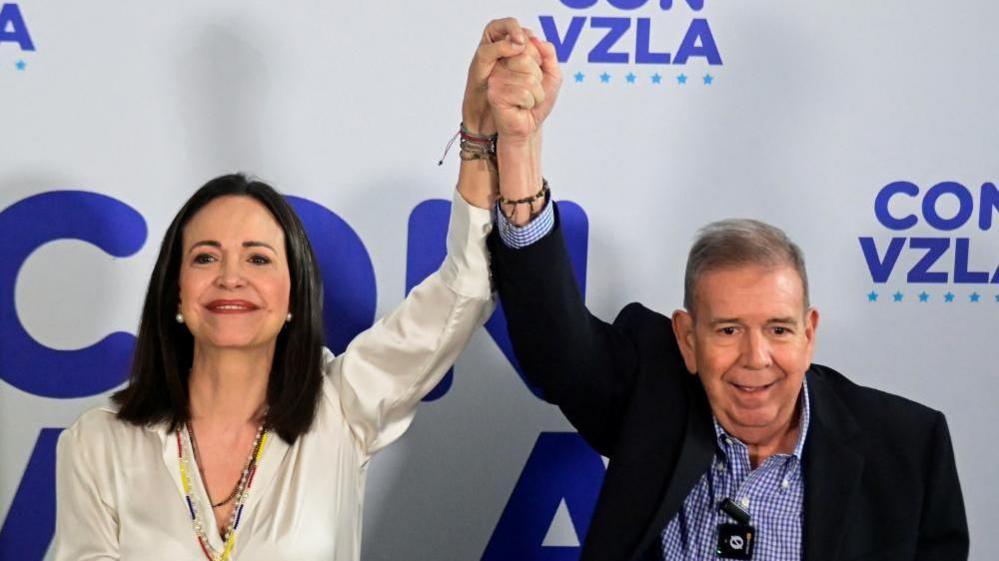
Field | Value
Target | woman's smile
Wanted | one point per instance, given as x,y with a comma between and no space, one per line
231,307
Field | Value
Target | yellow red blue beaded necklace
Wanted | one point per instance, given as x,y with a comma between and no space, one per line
184,453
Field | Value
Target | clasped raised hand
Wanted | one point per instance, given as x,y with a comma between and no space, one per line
512,82
522,89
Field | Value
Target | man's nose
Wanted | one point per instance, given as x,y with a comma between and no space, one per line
756,351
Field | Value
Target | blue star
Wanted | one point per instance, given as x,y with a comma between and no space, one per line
579,76
682,79
975,297
872,297
605,78
657,79
898,296
949,297
630,77
21,65
708,78
924,297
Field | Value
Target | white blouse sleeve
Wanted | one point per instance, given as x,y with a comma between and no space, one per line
86,523
387,369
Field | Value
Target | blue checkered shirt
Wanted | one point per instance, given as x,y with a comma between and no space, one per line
519,237
773,494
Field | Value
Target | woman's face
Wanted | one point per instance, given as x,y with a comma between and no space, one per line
234,279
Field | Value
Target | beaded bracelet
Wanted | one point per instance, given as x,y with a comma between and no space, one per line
541,194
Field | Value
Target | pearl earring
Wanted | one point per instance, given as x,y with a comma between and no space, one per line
179,317
288,319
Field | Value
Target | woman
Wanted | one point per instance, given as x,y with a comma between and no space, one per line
239,435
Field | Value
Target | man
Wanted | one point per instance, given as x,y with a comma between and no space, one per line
757,454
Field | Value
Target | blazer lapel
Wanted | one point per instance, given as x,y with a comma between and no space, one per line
832,471
695,458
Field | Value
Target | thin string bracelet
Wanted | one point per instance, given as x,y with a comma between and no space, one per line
473,147
447,148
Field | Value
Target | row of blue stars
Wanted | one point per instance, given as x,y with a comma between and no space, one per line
948,297
631,78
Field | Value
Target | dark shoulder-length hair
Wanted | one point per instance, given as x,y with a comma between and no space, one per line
158,384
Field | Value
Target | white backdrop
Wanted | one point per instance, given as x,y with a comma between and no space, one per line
814,109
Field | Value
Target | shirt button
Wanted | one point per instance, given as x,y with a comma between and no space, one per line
785,484
728,441
745,502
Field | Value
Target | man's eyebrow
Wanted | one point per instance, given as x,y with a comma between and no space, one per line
780,320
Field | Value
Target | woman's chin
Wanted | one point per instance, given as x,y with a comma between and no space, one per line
233,341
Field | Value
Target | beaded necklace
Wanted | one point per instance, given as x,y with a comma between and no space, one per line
246,466
184,454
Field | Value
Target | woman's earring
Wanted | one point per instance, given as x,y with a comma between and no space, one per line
288,319
179,317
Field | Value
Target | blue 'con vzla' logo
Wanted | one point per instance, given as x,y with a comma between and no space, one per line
698,41
955,214
13,29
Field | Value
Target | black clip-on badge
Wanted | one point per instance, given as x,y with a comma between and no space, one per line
735,541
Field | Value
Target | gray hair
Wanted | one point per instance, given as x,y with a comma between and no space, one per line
740,241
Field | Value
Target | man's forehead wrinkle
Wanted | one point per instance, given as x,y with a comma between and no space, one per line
734,293
782,315
742,321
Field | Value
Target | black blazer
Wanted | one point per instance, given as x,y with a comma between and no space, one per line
880,477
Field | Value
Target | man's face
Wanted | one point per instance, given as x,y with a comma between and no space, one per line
750,339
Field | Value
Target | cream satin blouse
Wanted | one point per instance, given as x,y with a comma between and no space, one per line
118,486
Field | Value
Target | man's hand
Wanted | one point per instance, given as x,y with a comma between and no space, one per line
502,38
521,93
522,90
512,85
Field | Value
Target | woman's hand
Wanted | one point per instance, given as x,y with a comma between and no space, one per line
512,84
522,91
501,38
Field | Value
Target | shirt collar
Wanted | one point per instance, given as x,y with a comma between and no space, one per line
804,419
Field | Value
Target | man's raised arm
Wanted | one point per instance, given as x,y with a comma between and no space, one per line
581,363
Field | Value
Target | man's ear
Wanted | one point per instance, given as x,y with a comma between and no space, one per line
811,330
683,330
